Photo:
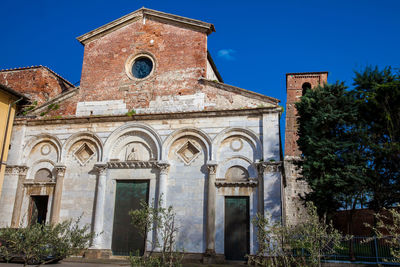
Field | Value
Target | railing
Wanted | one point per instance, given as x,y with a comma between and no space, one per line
367,250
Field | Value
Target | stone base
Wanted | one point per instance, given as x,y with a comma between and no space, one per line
98,254
210,257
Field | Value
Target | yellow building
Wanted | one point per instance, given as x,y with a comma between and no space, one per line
9,99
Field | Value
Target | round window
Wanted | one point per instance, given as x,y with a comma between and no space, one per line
142,67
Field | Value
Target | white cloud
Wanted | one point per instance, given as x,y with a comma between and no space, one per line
227,54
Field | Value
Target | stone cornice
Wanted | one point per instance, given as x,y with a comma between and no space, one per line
153,116
225,183
34,183
132,164
146,13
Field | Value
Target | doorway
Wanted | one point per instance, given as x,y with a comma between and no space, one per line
38,209
237,228
126,238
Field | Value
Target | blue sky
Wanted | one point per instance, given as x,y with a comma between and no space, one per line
256,42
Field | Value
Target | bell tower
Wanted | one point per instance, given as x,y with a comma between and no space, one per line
296,85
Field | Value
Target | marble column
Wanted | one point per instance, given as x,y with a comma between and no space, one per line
56,206
260,190
100,201
163,166
210,232
19,196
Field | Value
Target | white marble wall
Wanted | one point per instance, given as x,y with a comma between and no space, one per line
186,182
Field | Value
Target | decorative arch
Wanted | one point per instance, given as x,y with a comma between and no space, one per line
144,129
236,161
81,136
38,139
187,131
41,164
246,133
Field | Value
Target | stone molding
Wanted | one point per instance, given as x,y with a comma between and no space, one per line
247,183
16,170
154,116
132,164
273,166
33,183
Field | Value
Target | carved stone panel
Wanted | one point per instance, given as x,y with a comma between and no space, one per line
188,152
84,153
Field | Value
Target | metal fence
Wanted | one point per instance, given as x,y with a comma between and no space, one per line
359,249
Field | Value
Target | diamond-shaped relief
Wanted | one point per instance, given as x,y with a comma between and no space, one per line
84,153
188,152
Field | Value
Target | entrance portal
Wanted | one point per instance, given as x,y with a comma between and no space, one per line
126,238
38,209
237,228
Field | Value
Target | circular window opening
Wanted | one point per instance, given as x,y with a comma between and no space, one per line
142,67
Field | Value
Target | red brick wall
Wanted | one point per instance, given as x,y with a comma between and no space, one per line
294,83
180,56
38,83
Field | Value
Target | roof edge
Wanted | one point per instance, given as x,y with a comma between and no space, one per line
248,93
214,67
13,92
302,73
40,66
142,12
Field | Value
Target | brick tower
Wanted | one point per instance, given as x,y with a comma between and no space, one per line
296,85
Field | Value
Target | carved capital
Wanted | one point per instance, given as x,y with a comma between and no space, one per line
163,167
212,167
22,170
60,170
101,169
272,166
12,170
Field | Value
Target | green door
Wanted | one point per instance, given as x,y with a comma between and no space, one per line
237,228
126,238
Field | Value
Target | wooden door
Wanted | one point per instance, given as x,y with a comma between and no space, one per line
126,238
237,228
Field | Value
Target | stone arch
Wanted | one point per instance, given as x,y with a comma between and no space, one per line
39,139
187,131
236,161
148,132
90,136
245,133
41,164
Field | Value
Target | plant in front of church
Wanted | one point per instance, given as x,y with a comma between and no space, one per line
161,220
388,230
302,245
43,243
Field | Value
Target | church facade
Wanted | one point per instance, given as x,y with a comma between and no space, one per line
152,118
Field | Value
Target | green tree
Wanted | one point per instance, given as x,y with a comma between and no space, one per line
332,162
377,96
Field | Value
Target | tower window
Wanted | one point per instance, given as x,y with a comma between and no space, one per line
306,86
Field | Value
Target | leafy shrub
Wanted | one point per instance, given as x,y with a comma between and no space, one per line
43,243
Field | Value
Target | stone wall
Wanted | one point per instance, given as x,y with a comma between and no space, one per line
296,83
187,144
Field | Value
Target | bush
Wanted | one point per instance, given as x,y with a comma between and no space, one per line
162,220
43,243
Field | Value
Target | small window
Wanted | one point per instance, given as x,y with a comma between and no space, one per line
142,67
306,86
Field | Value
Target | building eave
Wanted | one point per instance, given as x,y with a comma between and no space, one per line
143,13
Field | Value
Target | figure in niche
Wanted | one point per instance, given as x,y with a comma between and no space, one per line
132,155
